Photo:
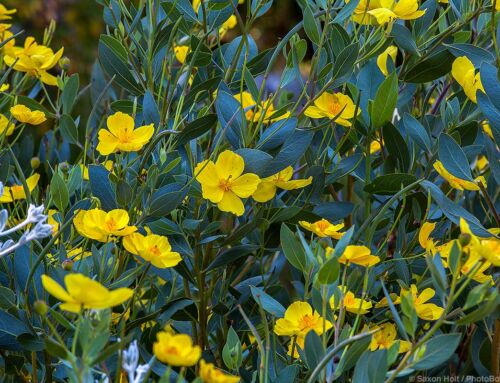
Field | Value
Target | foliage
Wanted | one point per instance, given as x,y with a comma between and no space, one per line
216,218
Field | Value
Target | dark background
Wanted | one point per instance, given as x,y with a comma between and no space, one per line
79,24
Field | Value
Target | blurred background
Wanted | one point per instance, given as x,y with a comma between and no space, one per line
79,24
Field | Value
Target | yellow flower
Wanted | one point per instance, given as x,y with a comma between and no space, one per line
16,192
375,146
210,374
9,47
176,349
5,14
52,221
84,293
152,248
455,182
99,225
181,52
108,165
392,52
196,4
385,337
4,87
444,251
6,127
351,303
486,126
482,163
224,183
122,135
230,23
383,11
300,318
253,111
25,115
335,106
324,228
34,59
78,254
359,255
300,341
464,73
424,310
269,186
485,248
424,238
384,302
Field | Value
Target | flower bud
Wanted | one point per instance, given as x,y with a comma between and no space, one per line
464,239
64,63
35,163
67,264
64,167
40,307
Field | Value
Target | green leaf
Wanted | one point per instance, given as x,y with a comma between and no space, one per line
268,303
310,26
313,349
344,63
476,295
417,131
10,329
475,54
352,356
292,150
231,255
437,351
166,199
229,112
195,129
69,93
404,39
431,68
383,106
390,183
293,250
453,158
231,353
101,186
59,192
396,146
371,367
329,272
7,298
114,60
69,129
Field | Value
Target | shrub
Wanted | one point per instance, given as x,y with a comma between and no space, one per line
215,217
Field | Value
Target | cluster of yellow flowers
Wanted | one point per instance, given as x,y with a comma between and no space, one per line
224,182
482,252
178,350
300,318
104,226
32,58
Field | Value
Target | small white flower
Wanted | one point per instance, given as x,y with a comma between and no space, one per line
35,213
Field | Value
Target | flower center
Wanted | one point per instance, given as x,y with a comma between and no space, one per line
111,225
171,350
225,184
307,322
155,251
124,136
322,225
